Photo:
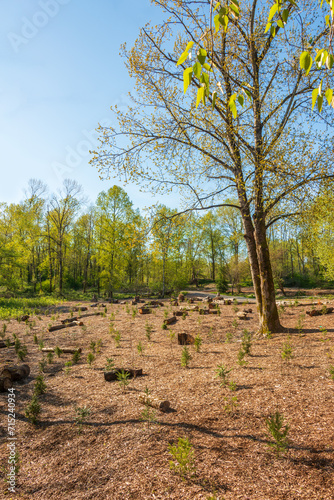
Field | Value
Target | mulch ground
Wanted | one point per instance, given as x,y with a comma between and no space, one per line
119,456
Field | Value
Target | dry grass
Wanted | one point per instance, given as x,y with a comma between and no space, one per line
117,456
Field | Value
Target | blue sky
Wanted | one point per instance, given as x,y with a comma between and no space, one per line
60,73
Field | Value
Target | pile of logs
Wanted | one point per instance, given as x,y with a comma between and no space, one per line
317,312
159,404
185,339
12,373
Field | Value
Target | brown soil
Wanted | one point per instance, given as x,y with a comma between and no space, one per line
118,456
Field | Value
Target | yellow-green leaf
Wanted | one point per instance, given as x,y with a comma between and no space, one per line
217,6
197,68
306,61
329,61
232,105
320,99
202,53
200,96
216,22
183,57
280,23
268,26
207,67
285,15
235,9
272,12
189,46
329,95
187,76
314,97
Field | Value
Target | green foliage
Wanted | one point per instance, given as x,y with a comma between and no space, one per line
331,372
148,415
12,308
197,343
68,367
33,409
183,455
40,385
230,403
81,414
49,357
76,357
222,373
92,346
286,353
42,365
228,337
123,379
90,358
185,357
275,427
246,341
117,338
148,330
58,351
241,357
110,365
140,348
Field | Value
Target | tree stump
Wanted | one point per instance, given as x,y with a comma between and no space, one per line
170,321
185,339
15,372
5,383
181,297
159,404
180,313
144,310
242,315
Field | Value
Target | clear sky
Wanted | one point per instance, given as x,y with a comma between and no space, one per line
60,72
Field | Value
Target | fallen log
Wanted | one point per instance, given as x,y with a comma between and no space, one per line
80,308
204,311
5,384
67,325
144,310
154,303
214,311
170,321
180,313
15,372
181,297
159,404
189,308
112,375
25,317
65,350
78,318
317,312
185,339
2,344
242,315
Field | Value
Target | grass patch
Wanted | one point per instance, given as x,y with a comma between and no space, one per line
11,308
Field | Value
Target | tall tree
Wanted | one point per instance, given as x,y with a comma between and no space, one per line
263,158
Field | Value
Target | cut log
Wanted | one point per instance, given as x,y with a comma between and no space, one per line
5,384
84,308
25,317
242,315
181,297
78,318
180,313
189,308
185,339
112,375
214,311
94,305
155,303
15,372
170,321
144,310
317,312
204,311
174,303
228,302
159,404
67,325
65,350
2,344
248,311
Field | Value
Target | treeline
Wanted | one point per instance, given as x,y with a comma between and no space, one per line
55,243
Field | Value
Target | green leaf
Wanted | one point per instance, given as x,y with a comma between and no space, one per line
273,31
285,15
187,76
217,6
241,99
197,68
214,97
200,96
329,95
204,79
202,53
318,56
248,94
224,22
207,67
235,2
314,97
320,100
183,57
306,61
272,12
280,23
